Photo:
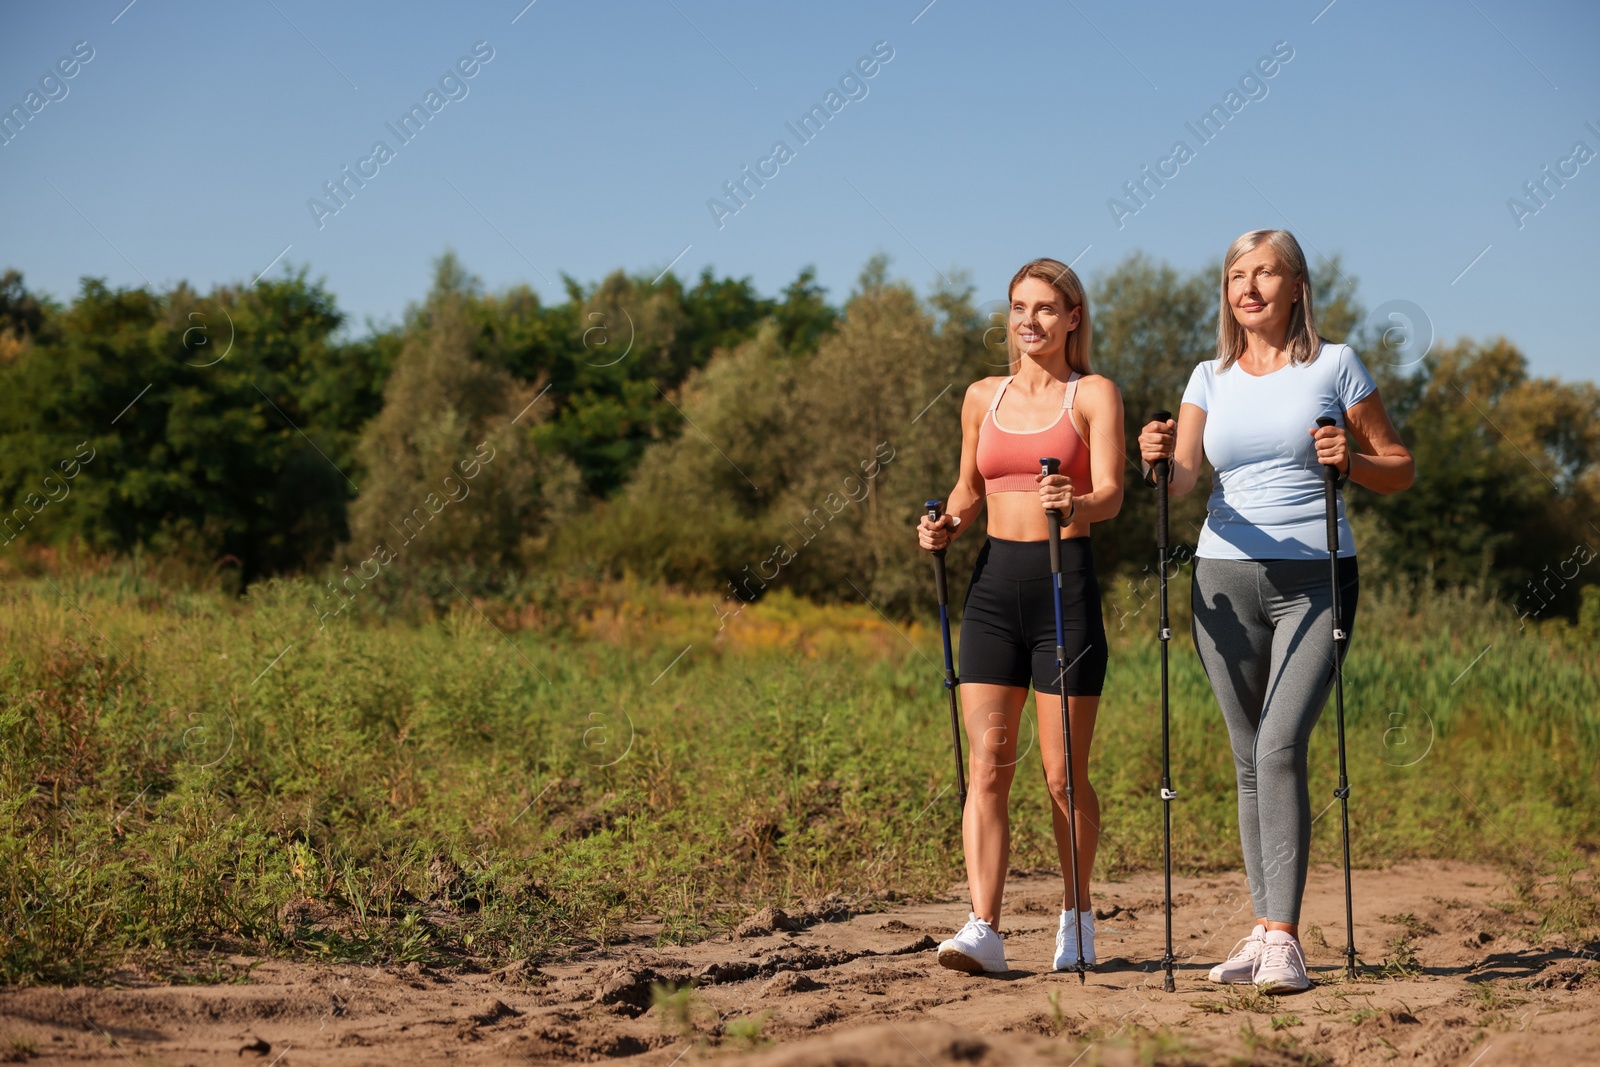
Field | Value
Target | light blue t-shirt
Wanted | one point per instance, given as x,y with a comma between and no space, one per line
1268,499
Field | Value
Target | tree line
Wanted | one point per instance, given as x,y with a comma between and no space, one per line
698,434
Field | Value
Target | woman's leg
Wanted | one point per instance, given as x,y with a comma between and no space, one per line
1083,636
1297,596
993,715
1081,711
1234,640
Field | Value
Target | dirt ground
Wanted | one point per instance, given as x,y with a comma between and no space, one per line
1465,984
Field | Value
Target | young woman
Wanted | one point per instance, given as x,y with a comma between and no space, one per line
1050,405
1261,594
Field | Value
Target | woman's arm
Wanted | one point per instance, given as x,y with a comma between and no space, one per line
1182,442
966,498
1380,461
1107,454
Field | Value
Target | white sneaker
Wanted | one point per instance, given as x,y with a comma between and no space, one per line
976,949
1281,967
1067,940
1240,966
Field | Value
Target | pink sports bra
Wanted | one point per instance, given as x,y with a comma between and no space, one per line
1008,461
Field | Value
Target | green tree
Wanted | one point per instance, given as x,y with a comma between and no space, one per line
454,487
21,315
628,346
1506,485
1152,326
693,510
878,432
1339,312
219,424
805,317
613,354
806,469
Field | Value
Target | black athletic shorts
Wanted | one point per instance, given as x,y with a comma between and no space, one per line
1008,627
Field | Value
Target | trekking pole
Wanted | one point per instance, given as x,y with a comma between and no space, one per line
1049,466
1163,471
935,510
1330,493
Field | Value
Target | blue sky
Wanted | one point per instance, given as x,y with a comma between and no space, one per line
189,146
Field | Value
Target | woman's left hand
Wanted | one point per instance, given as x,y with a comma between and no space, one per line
1331,448
1055,492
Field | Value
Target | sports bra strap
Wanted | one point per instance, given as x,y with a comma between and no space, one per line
1066,396
998,393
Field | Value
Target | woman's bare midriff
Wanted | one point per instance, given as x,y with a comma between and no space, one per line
1017,516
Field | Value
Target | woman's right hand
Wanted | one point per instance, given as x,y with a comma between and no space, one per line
933,535
1158,440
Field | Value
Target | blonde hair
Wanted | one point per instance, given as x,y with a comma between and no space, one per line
1303,340
1064,281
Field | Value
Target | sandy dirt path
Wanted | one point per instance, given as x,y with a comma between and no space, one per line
1468,984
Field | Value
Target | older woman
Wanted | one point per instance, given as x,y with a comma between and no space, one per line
1050,405
1261,593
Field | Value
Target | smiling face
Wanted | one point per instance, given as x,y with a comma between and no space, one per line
1262,291
1040,319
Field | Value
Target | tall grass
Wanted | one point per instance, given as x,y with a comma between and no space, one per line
184,772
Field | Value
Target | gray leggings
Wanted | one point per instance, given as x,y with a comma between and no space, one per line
1263,632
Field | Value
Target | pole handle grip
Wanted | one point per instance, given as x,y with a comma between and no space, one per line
1330,492
935,509
1163,471
1047,466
